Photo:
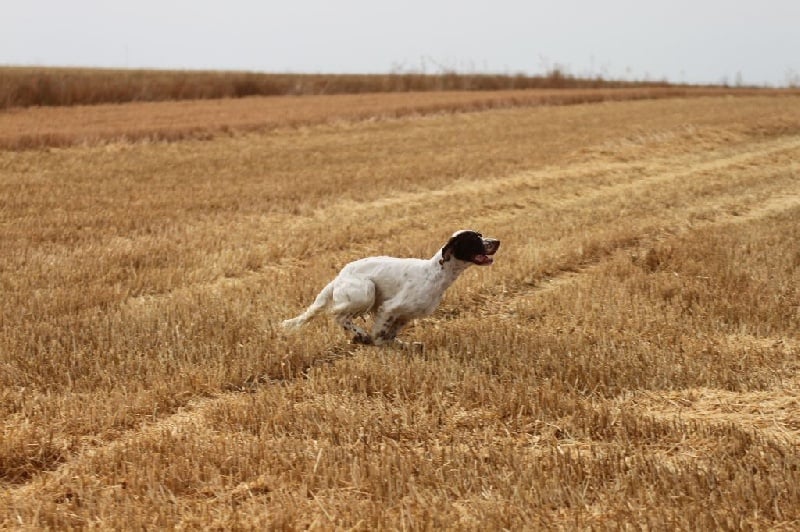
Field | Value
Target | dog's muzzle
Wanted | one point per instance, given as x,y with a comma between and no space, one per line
490,247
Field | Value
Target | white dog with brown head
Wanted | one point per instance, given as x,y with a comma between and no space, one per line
396,290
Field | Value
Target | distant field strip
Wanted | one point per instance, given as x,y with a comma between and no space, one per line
39,127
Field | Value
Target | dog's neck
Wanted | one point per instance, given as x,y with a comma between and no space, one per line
446,272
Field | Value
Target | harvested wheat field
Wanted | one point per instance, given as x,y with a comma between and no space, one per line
629,361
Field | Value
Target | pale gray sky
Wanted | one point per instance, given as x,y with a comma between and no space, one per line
680,40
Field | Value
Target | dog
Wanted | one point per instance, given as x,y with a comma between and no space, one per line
396,290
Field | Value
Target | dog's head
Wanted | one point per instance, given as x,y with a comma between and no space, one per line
470,246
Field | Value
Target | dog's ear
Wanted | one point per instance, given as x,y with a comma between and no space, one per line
447,250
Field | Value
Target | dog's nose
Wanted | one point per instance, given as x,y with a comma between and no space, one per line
492,244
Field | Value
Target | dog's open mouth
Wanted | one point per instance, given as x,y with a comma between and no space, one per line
482,260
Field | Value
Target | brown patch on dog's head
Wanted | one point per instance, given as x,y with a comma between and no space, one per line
470,246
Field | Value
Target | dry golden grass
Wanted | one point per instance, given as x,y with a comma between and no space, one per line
629,361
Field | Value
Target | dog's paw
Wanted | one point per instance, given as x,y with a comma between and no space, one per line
362,339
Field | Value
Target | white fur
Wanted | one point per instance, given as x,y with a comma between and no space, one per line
394,290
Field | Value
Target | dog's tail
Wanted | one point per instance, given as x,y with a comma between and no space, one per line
323,300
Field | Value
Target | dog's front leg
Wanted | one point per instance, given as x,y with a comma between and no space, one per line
386,328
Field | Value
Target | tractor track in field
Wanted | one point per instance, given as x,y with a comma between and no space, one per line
526,189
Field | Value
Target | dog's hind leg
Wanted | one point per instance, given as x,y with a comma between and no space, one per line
353,297
360,336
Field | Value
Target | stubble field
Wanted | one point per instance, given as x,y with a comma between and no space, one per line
630,360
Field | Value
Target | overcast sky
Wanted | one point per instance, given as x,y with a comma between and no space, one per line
755,41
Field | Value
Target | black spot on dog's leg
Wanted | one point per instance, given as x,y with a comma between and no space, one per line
390,329
386,331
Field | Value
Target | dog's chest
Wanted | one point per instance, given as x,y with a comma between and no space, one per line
418,296
419,302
